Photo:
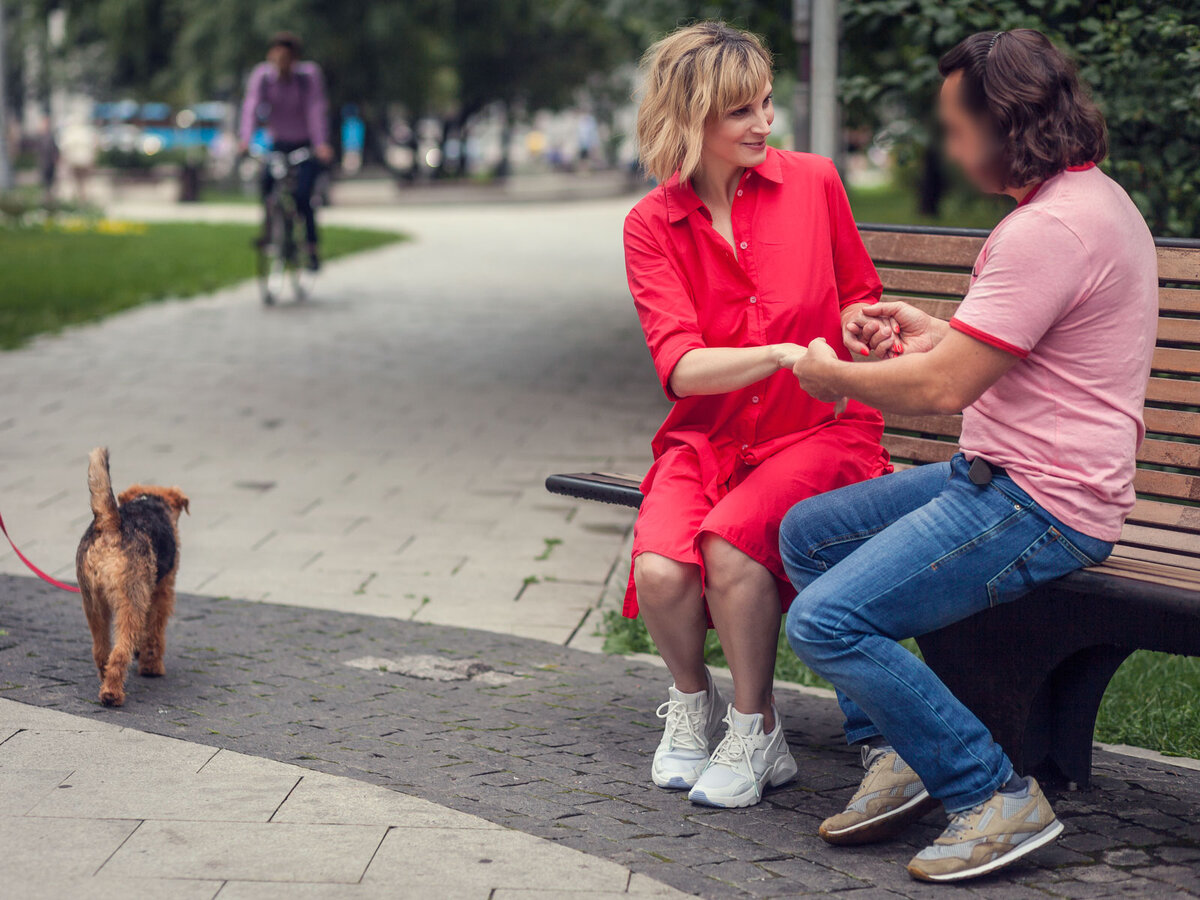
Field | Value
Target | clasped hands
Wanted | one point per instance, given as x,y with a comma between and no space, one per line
813,367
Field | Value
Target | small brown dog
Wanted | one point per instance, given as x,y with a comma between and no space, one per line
126,566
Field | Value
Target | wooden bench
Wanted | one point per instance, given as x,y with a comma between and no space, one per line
1035,670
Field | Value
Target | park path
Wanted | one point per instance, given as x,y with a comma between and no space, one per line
380,449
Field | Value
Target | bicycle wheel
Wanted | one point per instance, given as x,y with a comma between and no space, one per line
264,255
277,255
295,268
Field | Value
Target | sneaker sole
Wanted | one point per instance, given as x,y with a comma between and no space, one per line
675,783
777,778
1041,839
881,828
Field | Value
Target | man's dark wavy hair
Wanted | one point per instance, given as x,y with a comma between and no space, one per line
1042,116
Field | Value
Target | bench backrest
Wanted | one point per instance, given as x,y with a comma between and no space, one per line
930,268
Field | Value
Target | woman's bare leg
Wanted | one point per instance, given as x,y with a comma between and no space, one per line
744,603
669,594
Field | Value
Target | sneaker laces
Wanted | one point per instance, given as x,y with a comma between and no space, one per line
958,822
681,719
734,751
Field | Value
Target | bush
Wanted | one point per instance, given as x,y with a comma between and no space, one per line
1142,61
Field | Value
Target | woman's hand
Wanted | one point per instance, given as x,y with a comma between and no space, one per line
814,371
786,355
858,332
894,327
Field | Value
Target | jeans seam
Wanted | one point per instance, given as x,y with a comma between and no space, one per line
932,709
1035,547
1073,550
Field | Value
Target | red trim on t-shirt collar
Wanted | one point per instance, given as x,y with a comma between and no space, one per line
989,339
1037,187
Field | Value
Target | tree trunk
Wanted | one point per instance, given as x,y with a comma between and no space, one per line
932,184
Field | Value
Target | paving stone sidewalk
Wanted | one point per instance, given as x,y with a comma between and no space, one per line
556,743
90,810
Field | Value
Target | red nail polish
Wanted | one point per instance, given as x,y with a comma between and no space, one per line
865,352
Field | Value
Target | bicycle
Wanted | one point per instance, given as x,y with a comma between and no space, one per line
278,251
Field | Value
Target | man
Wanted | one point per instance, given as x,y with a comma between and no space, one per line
288,97
1047,358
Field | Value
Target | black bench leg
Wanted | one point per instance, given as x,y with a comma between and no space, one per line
1062,719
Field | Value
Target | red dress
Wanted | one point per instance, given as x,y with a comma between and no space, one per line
733,464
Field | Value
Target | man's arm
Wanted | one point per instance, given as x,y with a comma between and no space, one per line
317,111
250,107
945,380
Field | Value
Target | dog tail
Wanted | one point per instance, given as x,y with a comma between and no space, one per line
104,504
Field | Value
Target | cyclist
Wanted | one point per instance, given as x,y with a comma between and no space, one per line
287,96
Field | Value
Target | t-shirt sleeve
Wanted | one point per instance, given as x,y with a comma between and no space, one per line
857,280
664,303
1032,273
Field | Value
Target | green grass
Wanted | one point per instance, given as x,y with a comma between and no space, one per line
56,277
893,205
1153,701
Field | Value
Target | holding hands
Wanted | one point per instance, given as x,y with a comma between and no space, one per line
886,330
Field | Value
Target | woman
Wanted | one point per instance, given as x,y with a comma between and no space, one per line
742,253
1047,358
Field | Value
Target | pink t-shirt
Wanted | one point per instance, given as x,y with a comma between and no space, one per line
1068,282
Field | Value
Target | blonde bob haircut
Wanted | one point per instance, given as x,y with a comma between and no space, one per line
692,76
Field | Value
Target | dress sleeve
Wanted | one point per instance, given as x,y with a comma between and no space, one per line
663,301
1033,271
857,280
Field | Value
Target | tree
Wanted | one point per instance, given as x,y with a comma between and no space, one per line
1141,59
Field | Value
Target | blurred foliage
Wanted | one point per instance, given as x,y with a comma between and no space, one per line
1141,59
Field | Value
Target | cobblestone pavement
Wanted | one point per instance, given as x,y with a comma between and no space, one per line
555,742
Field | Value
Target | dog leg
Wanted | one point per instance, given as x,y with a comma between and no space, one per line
154,644
99,619
130,619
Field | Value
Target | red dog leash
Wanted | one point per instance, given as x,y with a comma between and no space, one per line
34,569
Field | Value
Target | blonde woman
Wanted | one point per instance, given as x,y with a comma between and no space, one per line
742,255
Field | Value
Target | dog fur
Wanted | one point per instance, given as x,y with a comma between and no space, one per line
126,566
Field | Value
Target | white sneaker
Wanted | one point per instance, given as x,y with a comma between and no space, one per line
693,724
745,763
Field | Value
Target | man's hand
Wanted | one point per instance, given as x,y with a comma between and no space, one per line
899,328
324,153
815,370
858,330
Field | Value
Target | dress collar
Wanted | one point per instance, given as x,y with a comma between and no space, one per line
682,200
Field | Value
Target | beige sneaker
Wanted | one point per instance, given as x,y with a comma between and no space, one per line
890,797
988,836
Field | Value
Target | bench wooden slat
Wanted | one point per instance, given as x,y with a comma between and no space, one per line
1178,331
921,281
1167,484
943,426
1177,264
1179,300
922,249
1184,562
1173,390
1151,572
919,450
1172,421
1178,362
1161,539
1170,453
1166,515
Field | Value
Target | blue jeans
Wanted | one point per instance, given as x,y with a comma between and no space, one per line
900,556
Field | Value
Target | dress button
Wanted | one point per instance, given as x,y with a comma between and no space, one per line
739,192
743,245
745,446
753,399
753,299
